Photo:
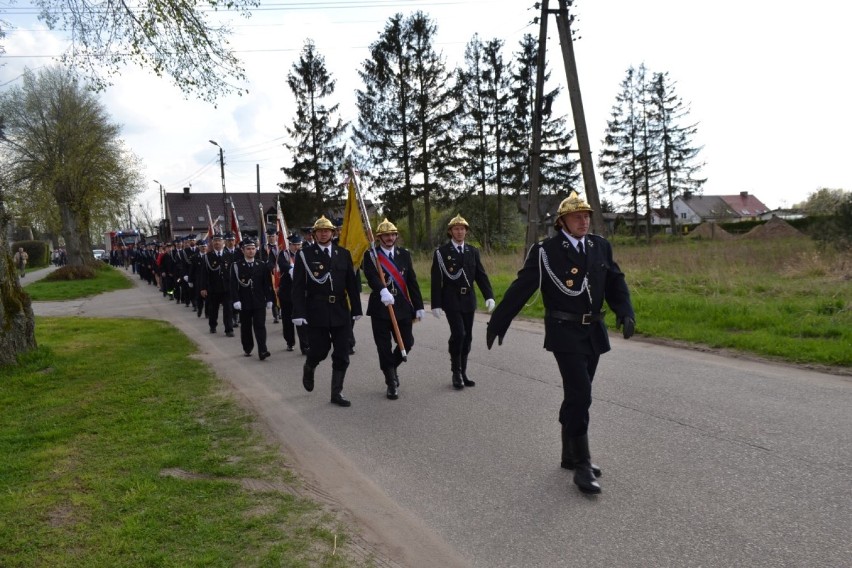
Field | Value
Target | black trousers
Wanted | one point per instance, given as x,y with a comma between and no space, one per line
253,321
383,335
325,339
213,302
578,372
461,332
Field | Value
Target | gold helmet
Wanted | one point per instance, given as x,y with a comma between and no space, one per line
323,223
386,227
571,204
457,220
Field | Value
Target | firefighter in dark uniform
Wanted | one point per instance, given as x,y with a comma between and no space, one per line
577,274
456,266
233,254
286,263
251,291
325,299
401,291
214,286
195,277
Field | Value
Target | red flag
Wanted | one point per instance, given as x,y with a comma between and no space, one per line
235,224
210,230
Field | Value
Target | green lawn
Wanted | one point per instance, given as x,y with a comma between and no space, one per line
106,279
128,453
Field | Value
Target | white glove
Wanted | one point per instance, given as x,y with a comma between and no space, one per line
290,272
437,312
356,318
268,305
386,296
238,306
489,305
420,314
300,321
186,278
191,285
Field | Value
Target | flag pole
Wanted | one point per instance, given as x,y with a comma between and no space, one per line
362,209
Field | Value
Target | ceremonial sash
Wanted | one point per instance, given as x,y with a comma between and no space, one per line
392,271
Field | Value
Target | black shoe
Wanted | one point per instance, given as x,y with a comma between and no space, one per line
340,401
393,392
229,334
212,330
275,320
247,354
236,324
468,382
352,351
458,384
290,348
308,377
264,355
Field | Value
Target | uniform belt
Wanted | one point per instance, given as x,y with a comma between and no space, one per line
464,290
330,298
584,319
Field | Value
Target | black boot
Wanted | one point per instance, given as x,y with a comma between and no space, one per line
467,382
455,363
337,388
308,376
391,382
584,478
568,458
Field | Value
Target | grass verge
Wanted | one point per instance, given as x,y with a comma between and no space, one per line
127,453
106,279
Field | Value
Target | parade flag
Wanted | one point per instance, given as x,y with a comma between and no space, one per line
281,226
262,227
210,229
235,224
353,237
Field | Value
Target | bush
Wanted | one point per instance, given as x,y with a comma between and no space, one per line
38,252
84,272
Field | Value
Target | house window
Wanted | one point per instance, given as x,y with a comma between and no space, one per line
683,215
241,218
271,218
201,218
180,219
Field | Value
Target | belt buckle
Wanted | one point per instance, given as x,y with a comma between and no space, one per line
463,290
332,299
587,319
393,292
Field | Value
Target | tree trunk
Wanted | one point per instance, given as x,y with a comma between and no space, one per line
17,322
76,234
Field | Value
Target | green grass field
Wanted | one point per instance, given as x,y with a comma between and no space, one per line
753,296
128,453
107,278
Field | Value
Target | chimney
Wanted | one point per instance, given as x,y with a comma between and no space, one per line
687,195
744,194
186,193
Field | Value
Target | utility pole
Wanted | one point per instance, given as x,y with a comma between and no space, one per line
162,201
563,24
224,194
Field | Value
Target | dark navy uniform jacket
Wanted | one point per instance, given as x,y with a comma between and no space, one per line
401,307
251,285
452,285
325,290
571,283
215,272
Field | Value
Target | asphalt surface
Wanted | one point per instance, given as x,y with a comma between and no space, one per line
707,460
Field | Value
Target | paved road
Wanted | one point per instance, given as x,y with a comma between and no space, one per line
708,461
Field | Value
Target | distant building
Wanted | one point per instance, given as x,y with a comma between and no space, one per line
694,209
186,212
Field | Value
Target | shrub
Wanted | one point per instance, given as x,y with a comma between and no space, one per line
84,272
38,252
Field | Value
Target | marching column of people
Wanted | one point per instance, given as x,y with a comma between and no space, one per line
317,290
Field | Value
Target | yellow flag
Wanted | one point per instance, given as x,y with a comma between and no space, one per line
352,236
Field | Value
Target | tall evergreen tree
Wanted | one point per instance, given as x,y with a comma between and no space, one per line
317,132
677,143
484,110
405,114
619,159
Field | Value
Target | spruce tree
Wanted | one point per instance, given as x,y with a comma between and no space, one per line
677,143
405,117
316,134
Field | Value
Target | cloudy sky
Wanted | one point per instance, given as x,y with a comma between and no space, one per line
768,83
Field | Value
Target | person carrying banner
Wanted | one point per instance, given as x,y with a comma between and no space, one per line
400,290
